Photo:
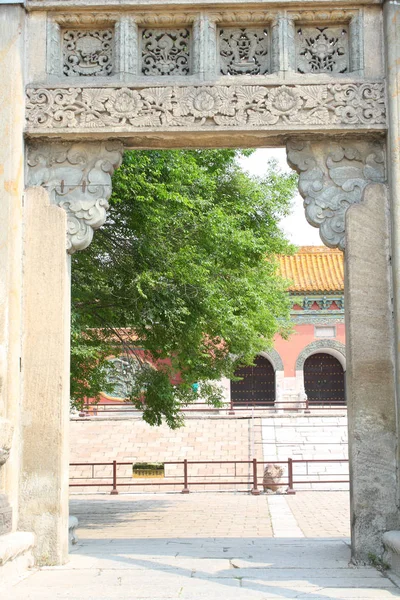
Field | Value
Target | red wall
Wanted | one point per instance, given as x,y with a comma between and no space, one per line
302,336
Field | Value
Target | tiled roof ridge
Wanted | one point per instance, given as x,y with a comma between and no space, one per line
318,250
314,269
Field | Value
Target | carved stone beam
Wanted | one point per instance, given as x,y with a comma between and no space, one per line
332,177
77,177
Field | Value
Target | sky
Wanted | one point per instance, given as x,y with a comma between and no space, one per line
295,225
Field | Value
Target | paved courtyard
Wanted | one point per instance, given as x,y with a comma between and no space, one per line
198,546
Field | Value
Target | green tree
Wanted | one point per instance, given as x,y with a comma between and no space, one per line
185,268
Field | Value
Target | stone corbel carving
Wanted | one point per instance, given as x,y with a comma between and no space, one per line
332,177
78,179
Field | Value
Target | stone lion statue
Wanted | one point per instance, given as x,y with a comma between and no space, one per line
272,476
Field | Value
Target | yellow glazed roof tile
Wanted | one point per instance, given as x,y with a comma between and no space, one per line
314,269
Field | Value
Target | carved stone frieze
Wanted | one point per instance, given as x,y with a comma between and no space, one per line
244,50
78,179
272,106
322,49
87,52
171,18
86,19
324,16
332,177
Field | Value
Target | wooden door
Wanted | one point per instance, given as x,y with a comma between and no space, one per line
257,386
324,380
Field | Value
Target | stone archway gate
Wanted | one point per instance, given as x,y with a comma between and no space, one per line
82,80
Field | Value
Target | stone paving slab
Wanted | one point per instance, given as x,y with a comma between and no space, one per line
321,514
174,559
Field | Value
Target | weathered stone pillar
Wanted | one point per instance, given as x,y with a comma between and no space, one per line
370,373
332,178
391,15
43,497
12,103
58,221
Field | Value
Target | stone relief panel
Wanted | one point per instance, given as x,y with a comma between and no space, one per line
322,49
244,51
332,177
273,106
87,52
77,177
166,51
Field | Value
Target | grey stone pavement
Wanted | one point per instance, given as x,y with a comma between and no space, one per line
208,546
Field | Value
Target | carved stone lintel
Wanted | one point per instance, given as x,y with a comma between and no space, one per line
271,106
332,177
78,179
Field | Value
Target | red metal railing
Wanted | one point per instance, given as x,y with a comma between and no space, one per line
253,479
304,406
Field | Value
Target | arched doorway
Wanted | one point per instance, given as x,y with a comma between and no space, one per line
324,380
256,386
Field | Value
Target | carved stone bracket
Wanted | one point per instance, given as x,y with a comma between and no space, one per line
332,177
78,179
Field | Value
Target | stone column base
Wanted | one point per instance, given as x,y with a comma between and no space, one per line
391,543
16,556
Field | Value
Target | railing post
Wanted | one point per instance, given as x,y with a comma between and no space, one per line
231,409
114,491
255,491
290,489
185,477
307,409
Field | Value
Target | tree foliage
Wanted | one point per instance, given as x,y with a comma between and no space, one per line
184,269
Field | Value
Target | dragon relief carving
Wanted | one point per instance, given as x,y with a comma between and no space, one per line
78,179
272,106
332,177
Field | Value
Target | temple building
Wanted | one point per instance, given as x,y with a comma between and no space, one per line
310,365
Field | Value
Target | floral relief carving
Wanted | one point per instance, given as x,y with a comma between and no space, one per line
207,106
78,179
322,49
332,177
87,52
244,51
166,52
